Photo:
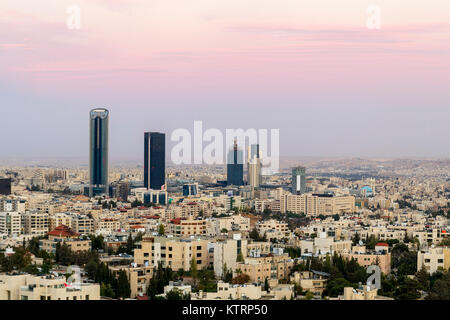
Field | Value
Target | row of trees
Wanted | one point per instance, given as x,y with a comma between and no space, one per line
112,283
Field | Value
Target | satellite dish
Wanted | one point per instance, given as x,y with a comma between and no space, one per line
361,243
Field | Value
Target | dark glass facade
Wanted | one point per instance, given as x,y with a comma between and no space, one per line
189,190
5,186
154,160
298,180
155,198
235,167
98,152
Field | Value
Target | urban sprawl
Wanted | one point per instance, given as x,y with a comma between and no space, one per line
148,232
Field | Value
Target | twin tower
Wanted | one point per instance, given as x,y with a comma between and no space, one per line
154,155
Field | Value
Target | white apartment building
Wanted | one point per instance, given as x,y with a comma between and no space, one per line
30,287
434,259
11,223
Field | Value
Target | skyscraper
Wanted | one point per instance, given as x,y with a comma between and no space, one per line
98,152
298,180
254,166
5,186
154,160
235,166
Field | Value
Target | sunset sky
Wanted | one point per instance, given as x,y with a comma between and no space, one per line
309,68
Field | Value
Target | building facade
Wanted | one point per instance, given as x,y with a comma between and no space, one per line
98,152
154,160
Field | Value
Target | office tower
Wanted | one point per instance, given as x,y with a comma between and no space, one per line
5,186
155,197
98,152
120,190
298,180
254,166
190,189
235,166
154,160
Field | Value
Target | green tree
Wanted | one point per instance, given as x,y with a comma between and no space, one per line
309,295
403,261
408,289
424,278
441,288
241,278
97,242
130,245
193,269
266,285
161,230
123,285
107,291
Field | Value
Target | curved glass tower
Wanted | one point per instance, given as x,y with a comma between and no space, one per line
98,152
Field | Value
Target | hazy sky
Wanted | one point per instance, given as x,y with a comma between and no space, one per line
309,68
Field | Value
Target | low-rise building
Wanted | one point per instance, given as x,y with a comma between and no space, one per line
30,287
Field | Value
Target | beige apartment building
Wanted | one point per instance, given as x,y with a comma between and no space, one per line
139,277
235,221
187,228
35,223
316,204
433,236
434,259
30,287
258,272
107,224
58,219
172,252
226,254
11,223
382,233
309,281
83,224
280,265
63,234
366,259
363,293
226,291
264,226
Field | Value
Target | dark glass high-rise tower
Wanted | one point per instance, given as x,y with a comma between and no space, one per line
98,152
298,180
154,160
235,166
5,186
